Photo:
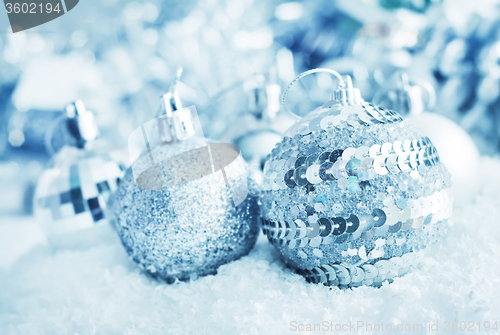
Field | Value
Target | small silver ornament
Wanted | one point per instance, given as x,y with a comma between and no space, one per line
257,131
74,190
188,213
352,194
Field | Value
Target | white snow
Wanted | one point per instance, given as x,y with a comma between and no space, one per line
100,291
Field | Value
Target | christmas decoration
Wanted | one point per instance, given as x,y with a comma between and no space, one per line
352,194
463,57
257,131
73,192
457,150
184,216
416,5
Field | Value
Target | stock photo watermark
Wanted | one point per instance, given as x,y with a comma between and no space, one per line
409,328
31,13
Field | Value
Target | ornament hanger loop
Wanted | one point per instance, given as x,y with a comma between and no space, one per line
342,83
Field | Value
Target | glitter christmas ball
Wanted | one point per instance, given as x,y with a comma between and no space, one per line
72,195
186,230
353,194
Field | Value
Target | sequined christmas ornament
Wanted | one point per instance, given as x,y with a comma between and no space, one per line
353,194
73,191
176,226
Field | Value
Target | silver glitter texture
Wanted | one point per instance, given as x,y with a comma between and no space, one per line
353,194
185,231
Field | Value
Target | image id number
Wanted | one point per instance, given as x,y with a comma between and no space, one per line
31,8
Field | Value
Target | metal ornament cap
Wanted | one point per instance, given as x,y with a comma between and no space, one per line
80,124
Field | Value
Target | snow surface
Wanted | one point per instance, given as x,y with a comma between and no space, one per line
100,291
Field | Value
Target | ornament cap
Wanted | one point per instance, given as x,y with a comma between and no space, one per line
80,124
177,122
263,95
407,96
347,94
255,88
171,101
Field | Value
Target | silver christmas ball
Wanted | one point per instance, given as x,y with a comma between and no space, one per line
352,194
185,230
72,195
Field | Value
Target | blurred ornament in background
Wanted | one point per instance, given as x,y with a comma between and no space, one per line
409,98
107,57
415,5
352,194
6,90
314,30
221,44
387,42
453,47
120,59
172,225
73,191
463,56
457,151
257,131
